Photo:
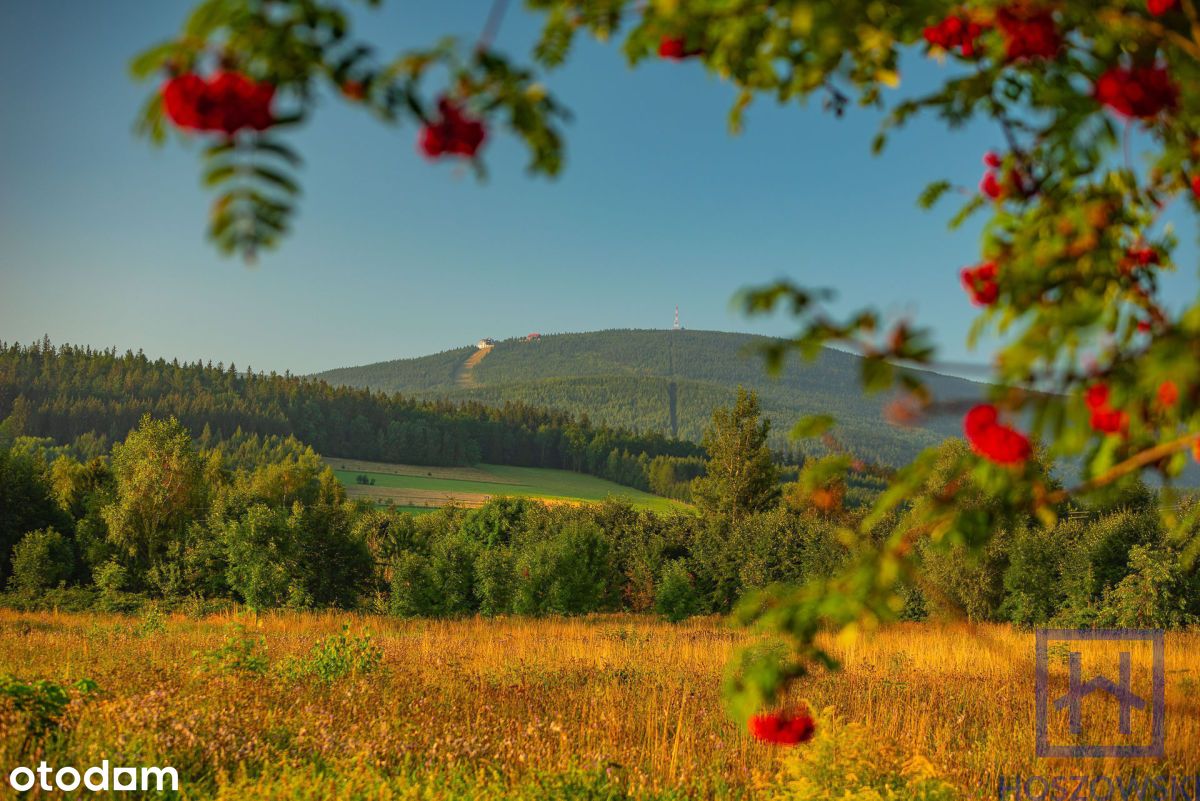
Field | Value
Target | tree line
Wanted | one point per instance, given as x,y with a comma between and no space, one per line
69,394
161,520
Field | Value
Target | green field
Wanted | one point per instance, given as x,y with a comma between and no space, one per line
415,488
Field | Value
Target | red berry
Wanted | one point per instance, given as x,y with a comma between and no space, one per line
990,186
675,48
989,438
1159,7
1168,394
955,31
453,134
1028,33
182,97
1141,92
227,101
1105,419
1143,257
980,283
992,160
783,728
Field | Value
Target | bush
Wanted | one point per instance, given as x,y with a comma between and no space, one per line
42,704
534,579
584,570
676,598
336,657
452,571
1154,594
41,560
413,592
240,652
571,573
495,579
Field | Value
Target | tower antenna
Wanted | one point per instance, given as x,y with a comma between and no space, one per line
676,326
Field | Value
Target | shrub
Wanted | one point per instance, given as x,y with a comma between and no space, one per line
1152,595
43,704
676,598
240,652
41,560
413,591
534,579
452,571
570,573
584,570
336,657
495,579
259,553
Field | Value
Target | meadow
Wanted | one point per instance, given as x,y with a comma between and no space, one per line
421,486
332,706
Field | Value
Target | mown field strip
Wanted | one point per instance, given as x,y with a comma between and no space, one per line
423,471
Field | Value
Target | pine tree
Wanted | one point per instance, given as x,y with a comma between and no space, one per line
740,477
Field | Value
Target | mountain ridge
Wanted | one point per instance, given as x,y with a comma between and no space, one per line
668,382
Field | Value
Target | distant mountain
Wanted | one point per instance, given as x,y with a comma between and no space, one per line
665,382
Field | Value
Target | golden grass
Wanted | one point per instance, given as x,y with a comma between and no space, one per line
500,700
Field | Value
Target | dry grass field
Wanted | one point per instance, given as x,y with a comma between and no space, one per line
603,707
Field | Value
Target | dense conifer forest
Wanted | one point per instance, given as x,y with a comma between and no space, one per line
71,394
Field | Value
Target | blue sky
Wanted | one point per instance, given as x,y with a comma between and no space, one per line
102,236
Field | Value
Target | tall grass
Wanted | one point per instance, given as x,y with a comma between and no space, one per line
601,707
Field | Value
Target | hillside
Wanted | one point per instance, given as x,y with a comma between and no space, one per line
68,394
627,378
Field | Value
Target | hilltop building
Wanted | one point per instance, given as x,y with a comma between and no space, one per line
486,342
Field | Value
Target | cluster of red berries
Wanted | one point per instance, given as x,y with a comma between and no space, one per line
1160,7
993,440
1168,394
1141,257
1142,92
783,728
980,283
675,48
956,31
226,102
1028,33
1105,419
452,134
997,187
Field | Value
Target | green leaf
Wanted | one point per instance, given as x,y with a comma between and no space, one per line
149,62
276,178
219,173
279,149
814,425
876,374
932,194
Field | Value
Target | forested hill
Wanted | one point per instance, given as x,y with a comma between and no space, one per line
66,392
627,378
